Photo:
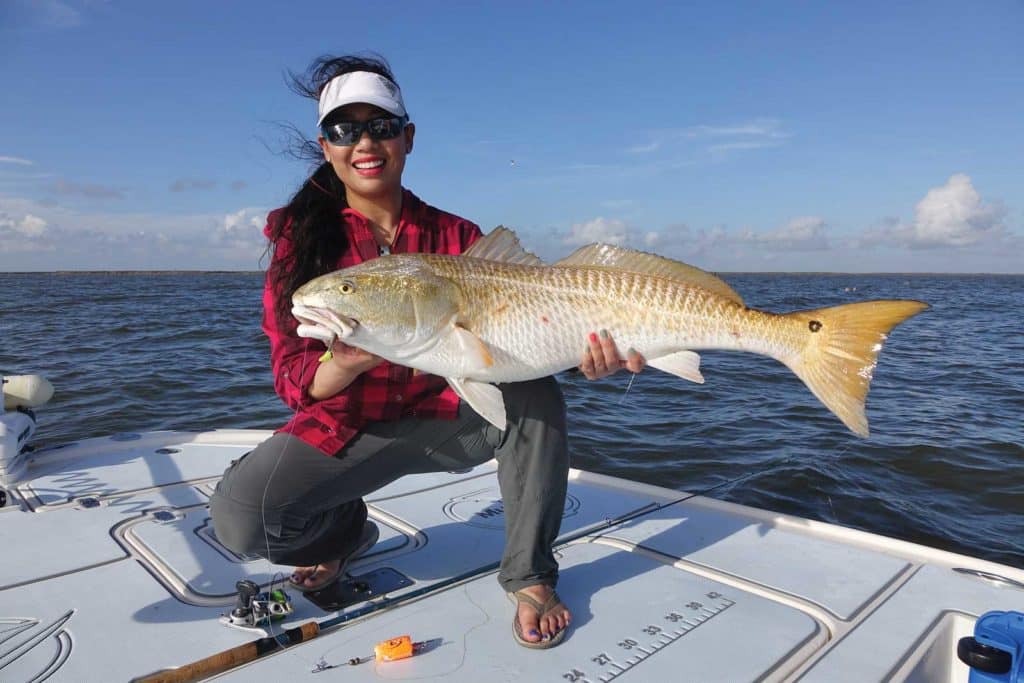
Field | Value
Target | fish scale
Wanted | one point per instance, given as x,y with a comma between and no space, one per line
653,315
497,314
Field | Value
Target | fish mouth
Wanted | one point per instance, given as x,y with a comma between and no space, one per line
322,323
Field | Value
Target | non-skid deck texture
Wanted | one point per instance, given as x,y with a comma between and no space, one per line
634,617
697,590
890,632
839,578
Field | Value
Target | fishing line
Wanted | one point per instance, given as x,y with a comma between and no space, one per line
263,513
770,466
277,463
632,377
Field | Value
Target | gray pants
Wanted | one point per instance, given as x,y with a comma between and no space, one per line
312,510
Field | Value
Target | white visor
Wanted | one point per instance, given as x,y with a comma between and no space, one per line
360,86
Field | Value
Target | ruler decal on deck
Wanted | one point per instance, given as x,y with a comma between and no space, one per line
631,650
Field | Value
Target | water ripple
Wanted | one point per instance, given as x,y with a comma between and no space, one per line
944,465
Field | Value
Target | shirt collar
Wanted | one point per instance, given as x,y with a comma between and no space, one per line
410,208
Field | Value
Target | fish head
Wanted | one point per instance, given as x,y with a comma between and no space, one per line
392,306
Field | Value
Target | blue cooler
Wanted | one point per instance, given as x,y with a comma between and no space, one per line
996,651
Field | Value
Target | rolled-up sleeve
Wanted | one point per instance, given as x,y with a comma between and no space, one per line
293,360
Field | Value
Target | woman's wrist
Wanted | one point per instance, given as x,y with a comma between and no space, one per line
331,377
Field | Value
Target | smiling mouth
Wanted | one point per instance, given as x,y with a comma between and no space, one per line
367,165
322,323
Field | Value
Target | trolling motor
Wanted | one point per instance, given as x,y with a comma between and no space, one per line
995,652
255,608
20,394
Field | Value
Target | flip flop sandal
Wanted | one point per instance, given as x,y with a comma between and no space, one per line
553,603
367,539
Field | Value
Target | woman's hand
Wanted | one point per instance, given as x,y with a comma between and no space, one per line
346,363
352,358
601,357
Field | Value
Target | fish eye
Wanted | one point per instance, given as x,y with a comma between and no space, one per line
346,288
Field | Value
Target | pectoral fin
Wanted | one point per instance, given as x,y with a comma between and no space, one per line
685,364
484,398
472,348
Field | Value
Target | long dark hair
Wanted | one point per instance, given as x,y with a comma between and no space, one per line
310,219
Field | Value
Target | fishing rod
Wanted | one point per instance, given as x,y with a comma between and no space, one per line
255,649
260,647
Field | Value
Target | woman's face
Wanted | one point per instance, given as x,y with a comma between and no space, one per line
369,168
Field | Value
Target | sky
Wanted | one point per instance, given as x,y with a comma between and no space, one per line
735,136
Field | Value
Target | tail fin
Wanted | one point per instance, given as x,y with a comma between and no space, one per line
842,347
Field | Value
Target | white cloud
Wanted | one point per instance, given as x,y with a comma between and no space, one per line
15,160
37,236
605,230
744,144
756,133
645,149
806,233
755,128
24,233
954,215
242,228
951,215
32,226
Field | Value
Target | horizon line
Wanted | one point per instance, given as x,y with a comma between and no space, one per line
718,272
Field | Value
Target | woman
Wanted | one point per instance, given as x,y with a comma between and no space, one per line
375,421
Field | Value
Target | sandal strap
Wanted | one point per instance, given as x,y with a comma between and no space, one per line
542,609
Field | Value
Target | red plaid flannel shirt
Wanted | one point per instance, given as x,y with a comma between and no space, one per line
386,392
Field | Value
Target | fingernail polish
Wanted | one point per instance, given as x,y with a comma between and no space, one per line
632,352
534,632
593,337
604,334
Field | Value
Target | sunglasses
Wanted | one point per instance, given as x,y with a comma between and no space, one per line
347,133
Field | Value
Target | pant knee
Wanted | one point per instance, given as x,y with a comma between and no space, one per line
539,399
236,527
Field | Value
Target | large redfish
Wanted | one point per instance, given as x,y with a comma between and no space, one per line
498,314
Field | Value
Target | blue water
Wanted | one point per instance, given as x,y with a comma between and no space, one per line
944,465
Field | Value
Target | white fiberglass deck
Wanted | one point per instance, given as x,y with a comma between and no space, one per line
112,571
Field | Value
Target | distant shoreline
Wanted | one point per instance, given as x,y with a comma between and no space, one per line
134,272
723,272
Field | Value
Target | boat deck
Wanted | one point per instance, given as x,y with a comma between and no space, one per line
117,573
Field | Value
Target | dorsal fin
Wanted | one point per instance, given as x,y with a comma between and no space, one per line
610,256
501,244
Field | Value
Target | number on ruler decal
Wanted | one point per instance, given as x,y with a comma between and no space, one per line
659,637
